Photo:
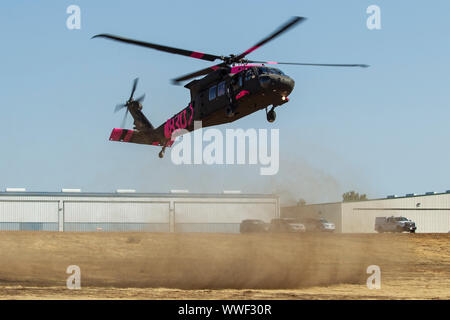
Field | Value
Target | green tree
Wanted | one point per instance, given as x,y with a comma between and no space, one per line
353,196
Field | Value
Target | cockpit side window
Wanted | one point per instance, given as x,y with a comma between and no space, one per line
265,70
249,74
262,70
237,81
277,71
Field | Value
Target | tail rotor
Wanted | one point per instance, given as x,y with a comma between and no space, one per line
130,102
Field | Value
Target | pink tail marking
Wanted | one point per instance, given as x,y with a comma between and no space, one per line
118,133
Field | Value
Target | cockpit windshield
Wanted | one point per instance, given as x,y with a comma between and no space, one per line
401,219
266,70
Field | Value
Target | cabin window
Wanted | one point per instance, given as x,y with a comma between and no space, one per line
221,89
212,92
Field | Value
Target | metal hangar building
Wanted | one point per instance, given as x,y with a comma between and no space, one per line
430,212
126,210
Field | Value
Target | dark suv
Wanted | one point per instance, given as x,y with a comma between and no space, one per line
318,225
253,225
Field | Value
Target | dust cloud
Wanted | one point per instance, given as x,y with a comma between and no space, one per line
299,180
194,261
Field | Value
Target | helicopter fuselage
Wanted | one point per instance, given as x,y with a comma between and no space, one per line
246,89
223,96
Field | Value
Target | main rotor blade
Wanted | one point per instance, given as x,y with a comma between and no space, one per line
292,22
198,73
133,89
187,53
311,64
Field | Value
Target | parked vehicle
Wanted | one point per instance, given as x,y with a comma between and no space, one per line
319,225
253,225
286,225
394,224
327,226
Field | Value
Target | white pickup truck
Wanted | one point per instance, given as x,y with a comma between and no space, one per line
394,224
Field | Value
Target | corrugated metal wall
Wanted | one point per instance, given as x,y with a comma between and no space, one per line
216,216
152,213
116,216
29,215
428,221
431,213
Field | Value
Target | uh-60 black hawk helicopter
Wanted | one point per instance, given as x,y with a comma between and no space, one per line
232,89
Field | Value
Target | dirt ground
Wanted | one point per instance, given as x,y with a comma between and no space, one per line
223,266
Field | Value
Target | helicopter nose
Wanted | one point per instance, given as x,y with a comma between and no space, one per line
279,84
286,85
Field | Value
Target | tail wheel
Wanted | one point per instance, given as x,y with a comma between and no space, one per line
161,153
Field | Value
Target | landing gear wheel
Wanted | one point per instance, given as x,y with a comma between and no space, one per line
271,116
230,111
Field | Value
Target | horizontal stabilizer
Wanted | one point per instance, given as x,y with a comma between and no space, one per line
122,135
126,135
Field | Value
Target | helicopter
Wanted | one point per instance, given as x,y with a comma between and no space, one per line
229,90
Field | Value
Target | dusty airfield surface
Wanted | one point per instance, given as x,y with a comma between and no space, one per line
223,266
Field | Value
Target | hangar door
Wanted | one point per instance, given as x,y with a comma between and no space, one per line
116,216
220,216
29,215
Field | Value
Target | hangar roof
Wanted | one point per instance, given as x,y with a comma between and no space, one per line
393,197
135,195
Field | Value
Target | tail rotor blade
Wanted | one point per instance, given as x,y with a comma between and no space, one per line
141,98
124,119
119,106
135,82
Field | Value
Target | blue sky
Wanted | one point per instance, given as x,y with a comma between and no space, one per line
382,130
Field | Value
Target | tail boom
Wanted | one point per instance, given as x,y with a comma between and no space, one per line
134,136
